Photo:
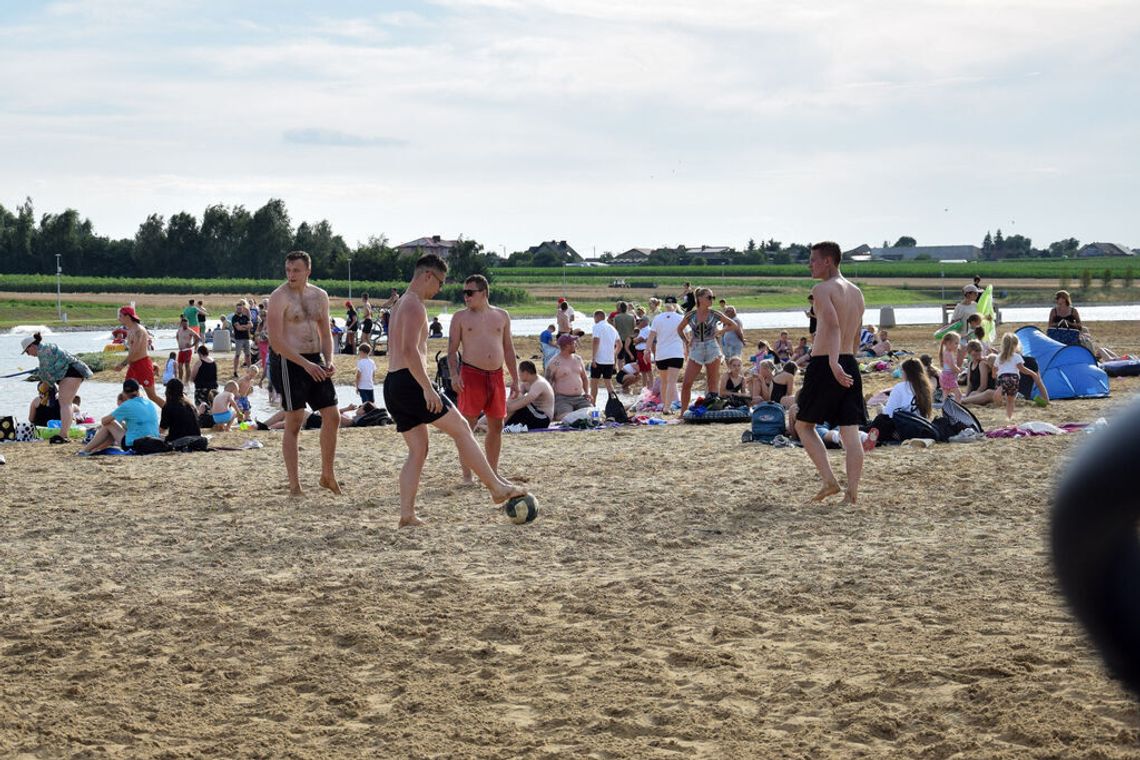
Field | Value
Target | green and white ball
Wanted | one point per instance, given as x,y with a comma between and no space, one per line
521,509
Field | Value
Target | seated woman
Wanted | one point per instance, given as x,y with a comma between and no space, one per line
777,386
44,407
179,418
981,382
912,393
1064,315
782,348
881,346
733,384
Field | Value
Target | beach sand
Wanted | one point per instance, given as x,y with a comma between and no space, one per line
677,597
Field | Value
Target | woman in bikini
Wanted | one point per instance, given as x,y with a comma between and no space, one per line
698,328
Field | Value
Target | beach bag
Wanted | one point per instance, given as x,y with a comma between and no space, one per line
26,432
190,443
1025,384
1066,335
615,411
959,417
768,421
7,428
150,445
910,425
374,418
443,375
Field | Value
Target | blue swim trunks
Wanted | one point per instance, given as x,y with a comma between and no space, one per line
221,418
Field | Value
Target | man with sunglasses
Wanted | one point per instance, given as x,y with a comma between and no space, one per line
414,403
481,333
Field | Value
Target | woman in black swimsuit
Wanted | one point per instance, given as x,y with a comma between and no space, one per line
981,383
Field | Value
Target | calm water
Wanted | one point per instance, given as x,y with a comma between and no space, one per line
99,398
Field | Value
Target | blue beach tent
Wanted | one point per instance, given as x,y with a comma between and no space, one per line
1067,371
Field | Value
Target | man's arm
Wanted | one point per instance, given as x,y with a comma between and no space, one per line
582,374
325,326
509,353
454,343
595,344
522,400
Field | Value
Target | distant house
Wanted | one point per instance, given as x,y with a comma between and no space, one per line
1104,249
633,256
932,252
861,253
710,254
433,244
559,248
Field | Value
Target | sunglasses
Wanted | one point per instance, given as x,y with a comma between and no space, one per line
467,293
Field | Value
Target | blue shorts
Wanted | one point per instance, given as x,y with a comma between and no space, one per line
221,418
704,352
243,403
367,395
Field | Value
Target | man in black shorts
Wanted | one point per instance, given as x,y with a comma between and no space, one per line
301,365
832,391
414,403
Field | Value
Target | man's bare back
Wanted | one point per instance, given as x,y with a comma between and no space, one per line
845,301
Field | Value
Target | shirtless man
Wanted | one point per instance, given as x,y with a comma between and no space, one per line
482,333
534,407
365,320
138,363
187,338
414,403
564,316
567,373
301,364
832,391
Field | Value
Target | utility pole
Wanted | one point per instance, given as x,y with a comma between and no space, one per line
350,278
58,297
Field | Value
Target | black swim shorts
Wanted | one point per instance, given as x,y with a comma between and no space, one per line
404,400
296,387
823,400
601,371
675,363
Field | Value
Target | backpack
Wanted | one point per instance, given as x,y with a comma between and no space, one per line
768,421
443,375
151,445
615,411
910,425
190,443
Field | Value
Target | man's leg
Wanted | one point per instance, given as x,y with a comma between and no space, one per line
593,391
817,452
468,479
330,428
849,434
692,369
416,440
471,456
153,396
293,422
493,443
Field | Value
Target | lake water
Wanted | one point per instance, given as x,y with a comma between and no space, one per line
99,398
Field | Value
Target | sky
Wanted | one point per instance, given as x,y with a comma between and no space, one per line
607,124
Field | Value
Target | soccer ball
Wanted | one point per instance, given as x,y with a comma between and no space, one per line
521,509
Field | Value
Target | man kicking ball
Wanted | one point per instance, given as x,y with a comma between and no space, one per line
414,403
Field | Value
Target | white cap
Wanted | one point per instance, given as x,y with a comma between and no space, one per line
29,340
971,289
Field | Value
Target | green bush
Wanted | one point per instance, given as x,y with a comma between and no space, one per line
1106,279
1086,279
1128,277
97,360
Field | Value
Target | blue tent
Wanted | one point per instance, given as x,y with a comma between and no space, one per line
1067,371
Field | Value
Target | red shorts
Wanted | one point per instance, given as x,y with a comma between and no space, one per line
142,371
184,355
643,363
483,393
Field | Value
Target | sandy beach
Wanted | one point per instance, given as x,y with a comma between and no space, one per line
677,597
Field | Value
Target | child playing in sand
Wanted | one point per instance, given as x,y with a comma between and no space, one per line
225,407
948,380
245,387
1009,367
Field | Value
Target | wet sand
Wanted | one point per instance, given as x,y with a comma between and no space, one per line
676,598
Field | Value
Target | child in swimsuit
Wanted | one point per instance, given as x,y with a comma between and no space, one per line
225,407
948,379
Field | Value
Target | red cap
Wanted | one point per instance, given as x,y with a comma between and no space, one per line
130,312
561,300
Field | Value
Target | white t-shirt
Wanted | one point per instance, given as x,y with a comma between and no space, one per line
607,335
902,397
642,336
669,343
366,368
1009,366
630,369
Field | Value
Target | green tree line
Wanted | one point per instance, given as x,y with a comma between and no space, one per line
228,241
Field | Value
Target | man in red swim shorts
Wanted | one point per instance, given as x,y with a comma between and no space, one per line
138,362
187,340
482,333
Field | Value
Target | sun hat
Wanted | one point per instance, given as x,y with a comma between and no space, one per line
971,288
29,340
130,312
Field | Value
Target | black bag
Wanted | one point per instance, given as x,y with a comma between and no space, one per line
443,375
7,428
1066,335
909,425
373,418
615,410
150,445
190,443
1025,382
960,417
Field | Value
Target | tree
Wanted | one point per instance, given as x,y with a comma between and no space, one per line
547,258
751,245
267,240
1128,277
222,234
988,246
782,257
905,241
1064,249
1086,279
183,251
520,259
1017,247
149,249
1106,279
467,258
327,250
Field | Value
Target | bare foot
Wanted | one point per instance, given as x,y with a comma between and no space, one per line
331,484
872,439
411,522
848,499
296,491
507,492
829,489
467,482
